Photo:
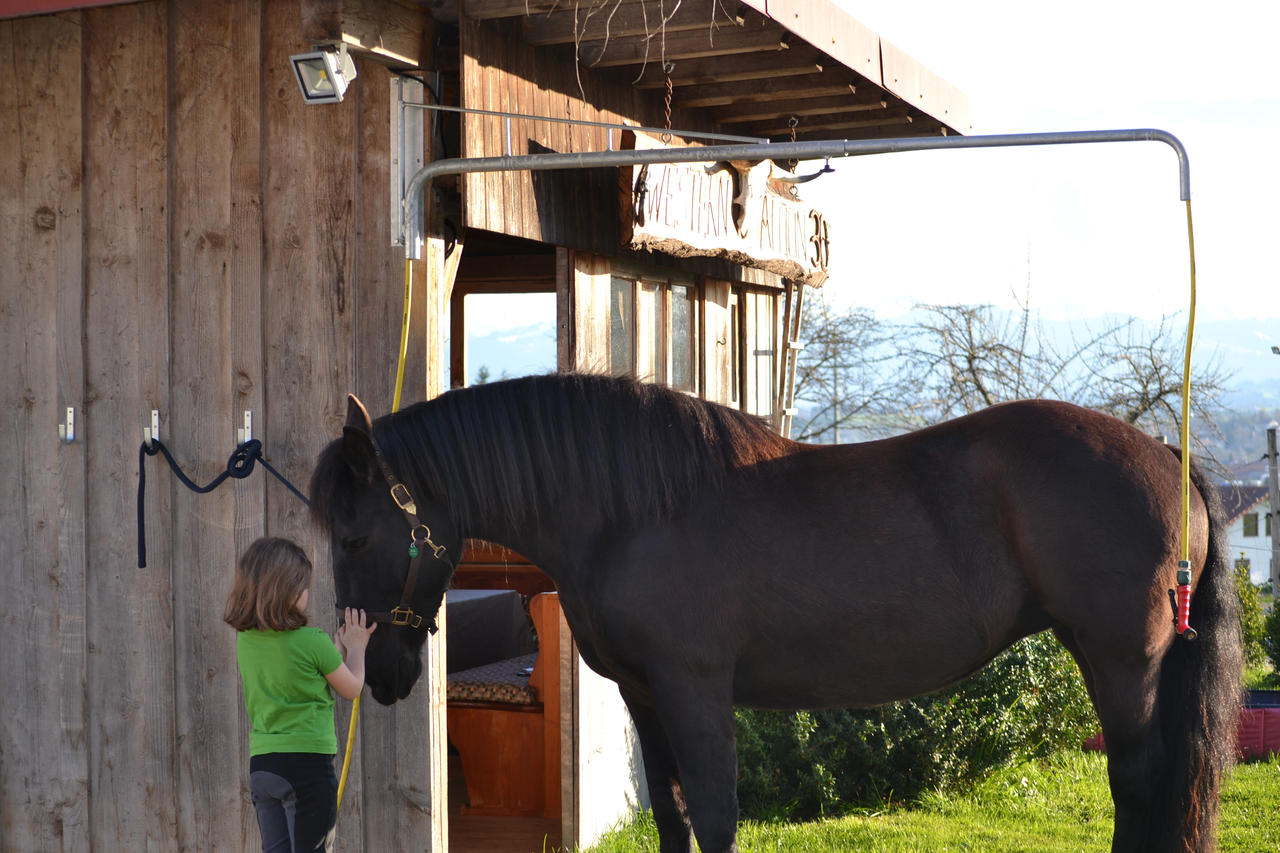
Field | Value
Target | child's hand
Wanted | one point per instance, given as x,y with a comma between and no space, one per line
353,634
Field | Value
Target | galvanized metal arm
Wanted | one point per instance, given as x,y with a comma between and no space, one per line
416,192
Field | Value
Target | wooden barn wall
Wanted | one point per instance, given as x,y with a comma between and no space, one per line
574,208
183,234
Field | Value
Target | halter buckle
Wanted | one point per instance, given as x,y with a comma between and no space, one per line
404,616
404,500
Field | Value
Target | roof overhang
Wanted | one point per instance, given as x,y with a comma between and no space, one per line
757,67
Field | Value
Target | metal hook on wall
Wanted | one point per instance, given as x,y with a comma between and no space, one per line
67,429
151,435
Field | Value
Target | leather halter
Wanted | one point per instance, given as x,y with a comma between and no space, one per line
419,542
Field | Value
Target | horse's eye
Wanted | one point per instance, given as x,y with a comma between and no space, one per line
354,543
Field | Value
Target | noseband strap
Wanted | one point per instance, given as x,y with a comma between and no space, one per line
419,543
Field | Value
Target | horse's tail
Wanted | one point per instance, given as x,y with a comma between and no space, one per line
1199,700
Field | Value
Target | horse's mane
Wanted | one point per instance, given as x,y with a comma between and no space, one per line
619,449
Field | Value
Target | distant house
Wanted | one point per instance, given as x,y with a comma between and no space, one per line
1248,526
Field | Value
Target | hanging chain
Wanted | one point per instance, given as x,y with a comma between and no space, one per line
667,68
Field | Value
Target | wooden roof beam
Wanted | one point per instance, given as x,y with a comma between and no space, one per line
487,10
922,126
778,127
769,110
708,41
630,19
387,33
729,69
831,82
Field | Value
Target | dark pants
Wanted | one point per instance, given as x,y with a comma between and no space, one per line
296,797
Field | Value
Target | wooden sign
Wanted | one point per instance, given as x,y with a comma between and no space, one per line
745,212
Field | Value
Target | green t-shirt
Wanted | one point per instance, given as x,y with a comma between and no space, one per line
285,691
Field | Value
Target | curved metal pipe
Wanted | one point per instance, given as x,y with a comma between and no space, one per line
811,150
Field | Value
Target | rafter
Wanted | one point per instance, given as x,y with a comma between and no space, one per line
484,10
769,110
674,47
779,127
632,19
728,69
838,81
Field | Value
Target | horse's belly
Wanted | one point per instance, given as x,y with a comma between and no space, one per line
832,670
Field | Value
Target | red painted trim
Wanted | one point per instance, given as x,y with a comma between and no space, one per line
21,8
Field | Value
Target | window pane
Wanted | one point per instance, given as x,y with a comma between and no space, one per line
621,327
682,339
735,347
648,327
761,340
1250,524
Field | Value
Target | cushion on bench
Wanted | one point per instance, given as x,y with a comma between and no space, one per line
505,681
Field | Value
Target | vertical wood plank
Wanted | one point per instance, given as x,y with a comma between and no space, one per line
206,709
307,305
130,624
245,286
394,788
717,353
591,287
307,310
308,268
44,784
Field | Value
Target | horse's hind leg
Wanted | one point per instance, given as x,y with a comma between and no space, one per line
675,832
1124,691
696,719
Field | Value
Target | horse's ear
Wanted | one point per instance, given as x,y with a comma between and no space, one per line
357,441
358,415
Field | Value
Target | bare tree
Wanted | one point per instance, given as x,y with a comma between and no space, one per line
1136,374
955,359
846,375
970,357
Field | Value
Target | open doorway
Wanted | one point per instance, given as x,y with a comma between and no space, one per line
503,623
502,319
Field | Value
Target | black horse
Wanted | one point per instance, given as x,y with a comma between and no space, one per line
704,562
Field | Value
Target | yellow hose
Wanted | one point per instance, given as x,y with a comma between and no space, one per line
1186,399
395,407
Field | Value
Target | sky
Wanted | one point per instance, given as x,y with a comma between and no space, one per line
1087,228
1075,231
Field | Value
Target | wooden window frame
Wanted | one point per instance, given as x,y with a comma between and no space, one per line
664,284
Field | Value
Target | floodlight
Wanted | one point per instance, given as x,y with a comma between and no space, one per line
324,74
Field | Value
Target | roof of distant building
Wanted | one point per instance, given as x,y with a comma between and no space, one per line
1238,499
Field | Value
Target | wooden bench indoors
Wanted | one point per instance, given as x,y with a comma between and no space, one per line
504,722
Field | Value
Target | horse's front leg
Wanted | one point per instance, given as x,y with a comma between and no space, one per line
696,717
662,775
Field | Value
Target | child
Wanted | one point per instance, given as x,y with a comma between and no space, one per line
287,670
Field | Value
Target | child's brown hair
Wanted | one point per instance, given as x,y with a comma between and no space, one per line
270,576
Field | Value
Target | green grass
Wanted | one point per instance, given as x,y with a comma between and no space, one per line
1058,805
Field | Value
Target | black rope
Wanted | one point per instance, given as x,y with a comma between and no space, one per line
239,466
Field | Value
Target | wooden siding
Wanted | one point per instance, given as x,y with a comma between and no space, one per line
184,235
573,208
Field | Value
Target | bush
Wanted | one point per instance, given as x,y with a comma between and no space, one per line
1271,637
1252,631
1026,704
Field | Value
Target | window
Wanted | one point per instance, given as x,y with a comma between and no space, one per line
684,361
759,337
1250,524
622,331
653,329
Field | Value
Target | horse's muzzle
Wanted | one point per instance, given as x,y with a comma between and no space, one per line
387,689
